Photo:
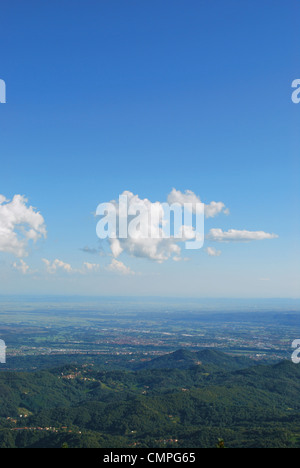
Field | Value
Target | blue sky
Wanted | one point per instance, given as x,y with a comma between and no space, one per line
108,96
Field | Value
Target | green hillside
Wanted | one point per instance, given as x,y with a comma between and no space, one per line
183,359
209,395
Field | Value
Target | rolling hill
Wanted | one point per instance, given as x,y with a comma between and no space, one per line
183,359
182,400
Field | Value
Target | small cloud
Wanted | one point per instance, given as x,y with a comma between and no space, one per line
19,224
181,259
118,267
233,235
90,267
21,266
93,250
89,250
211,210
177,259
57,265
212,252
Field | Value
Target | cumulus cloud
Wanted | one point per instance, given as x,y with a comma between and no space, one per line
212,252
19,224
118,267
158,250
148,237
233,235
211,210
215,208
154,247
21,266
141,216
57,265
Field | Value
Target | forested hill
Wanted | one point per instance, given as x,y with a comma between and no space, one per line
179,400
183,359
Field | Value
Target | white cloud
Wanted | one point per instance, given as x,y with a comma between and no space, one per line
158,250
233,235
215,208
116,247
211,210
213,252
21,266
57,265
118,267
149,217
19,224
155,247
91,267
187,197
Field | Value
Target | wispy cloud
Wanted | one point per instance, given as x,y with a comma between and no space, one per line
89,250
21,266
233,235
